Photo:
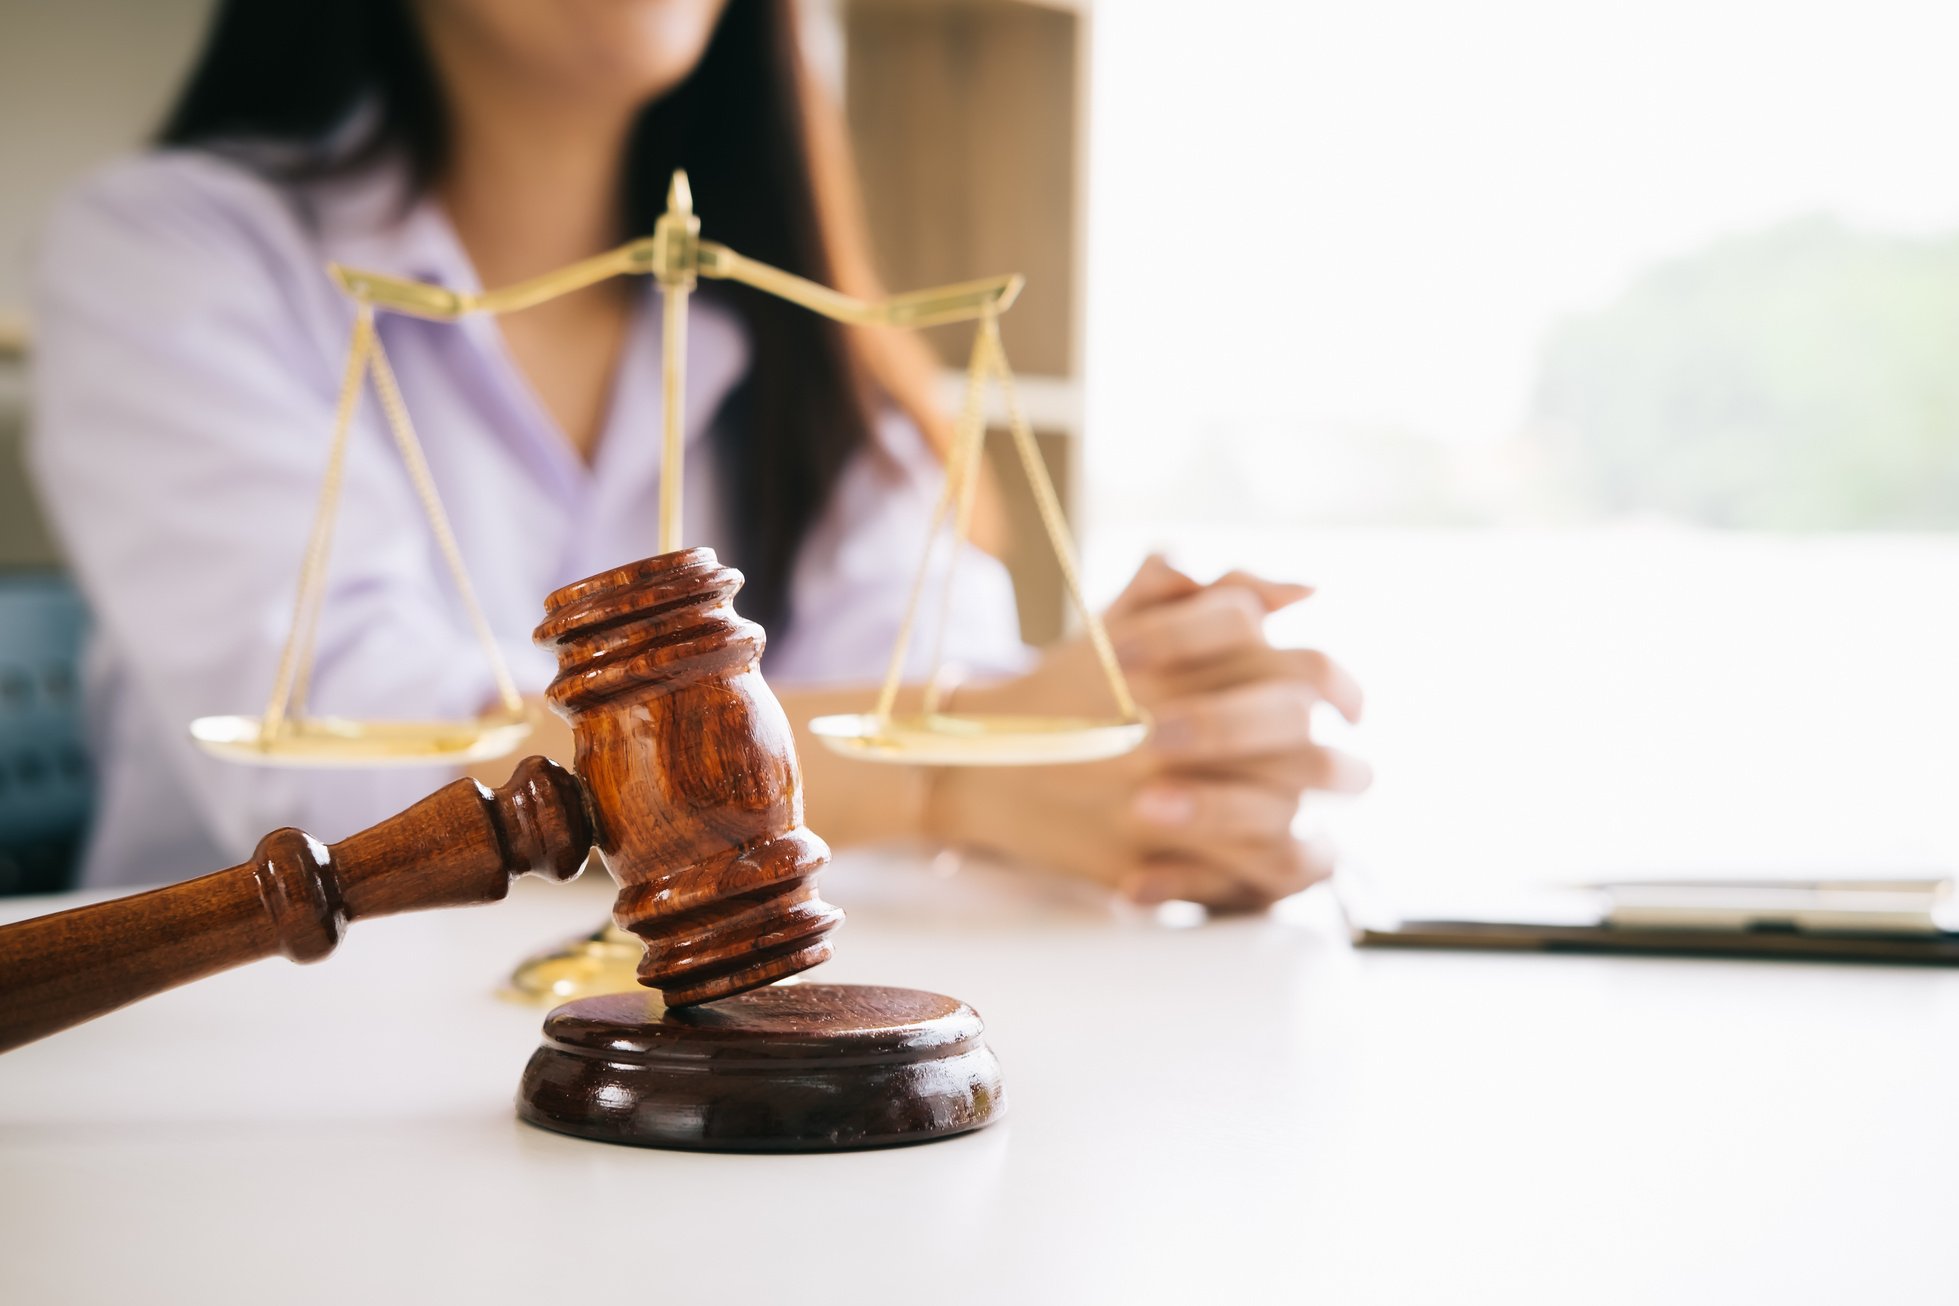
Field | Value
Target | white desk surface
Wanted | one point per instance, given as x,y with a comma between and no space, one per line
1247,1109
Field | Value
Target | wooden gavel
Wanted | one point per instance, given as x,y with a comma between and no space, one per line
686,782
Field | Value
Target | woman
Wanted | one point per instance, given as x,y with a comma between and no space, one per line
187,369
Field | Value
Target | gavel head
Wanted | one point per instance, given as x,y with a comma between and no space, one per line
690,768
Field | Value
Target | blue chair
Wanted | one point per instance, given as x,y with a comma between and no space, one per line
45,784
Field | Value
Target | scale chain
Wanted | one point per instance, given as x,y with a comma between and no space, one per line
296,657
964,462
445,537
960,490
887,698
1048,504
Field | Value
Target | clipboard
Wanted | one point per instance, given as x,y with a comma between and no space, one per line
1909,921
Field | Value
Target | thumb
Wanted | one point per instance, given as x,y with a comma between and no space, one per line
1156,581
1273,594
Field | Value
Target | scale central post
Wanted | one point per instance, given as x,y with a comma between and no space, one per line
676,259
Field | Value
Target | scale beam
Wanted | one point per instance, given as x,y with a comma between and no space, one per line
963,302
675,260
441,304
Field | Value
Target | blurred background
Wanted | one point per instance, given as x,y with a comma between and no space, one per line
1596,360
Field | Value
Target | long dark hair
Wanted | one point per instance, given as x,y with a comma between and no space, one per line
765,154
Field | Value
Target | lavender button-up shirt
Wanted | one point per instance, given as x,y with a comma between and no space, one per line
188,355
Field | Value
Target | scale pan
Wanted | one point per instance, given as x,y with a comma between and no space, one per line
338,741
948,739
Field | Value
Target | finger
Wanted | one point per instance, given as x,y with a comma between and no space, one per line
1331,681
1180,879
1200,814
1274,594
1314,859
1209,624
1315,767
1280,873
1242,884
1156,581
1328,678
1256,720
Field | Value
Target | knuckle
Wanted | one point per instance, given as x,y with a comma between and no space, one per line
1293,881
1202,727
1300,712
1315,768
1315,667
1244,620
1220,617
1316,860
1264,816
1212,814
1219,803
1252,815
1161,633
1232,893
1261,896
1285,716
1235,814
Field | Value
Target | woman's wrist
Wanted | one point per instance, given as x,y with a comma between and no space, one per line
937,817
943,790
962,807
952,804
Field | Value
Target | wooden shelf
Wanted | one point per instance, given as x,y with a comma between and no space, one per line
967,120
1053,404
13,334
963,117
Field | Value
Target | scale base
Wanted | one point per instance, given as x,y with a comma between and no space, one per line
604,961
791,1068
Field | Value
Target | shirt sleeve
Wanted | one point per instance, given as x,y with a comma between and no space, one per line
854,576
184,395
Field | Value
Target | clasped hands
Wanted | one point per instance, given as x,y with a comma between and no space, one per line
1204,810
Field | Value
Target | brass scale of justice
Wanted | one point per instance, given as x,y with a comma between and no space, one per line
676,257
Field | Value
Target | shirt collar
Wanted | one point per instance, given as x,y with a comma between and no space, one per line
376,220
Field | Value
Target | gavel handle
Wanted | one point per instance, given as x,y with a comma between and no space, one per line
463,844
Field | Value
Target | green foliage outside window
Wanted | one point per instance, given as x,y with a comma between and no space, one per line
1801,378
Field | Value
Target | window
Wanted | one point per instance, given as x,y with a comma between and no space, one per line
1600,362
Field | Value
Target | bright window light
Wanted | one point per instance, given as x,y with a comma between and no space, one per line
1601,361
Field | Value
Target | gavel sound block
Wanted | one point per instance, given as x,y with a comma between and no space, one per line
687,784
